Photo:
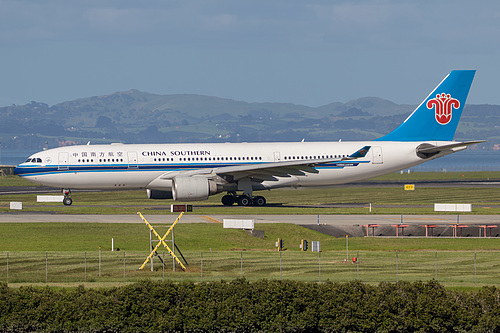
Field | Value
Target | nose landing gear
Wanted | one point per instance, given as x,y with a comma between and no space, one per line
67,201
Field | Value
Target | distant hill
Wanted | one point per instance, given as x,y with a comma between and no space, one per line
139,117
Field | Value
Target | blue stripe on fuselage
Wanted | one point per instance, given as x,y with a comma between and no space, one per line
54,169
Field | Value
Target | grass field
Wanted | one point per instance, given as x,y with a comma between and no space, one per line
393,200
452,268
65,254
384,200
468,175
205,236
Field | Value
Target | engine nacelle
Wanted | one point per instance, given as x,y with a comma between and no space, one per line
193,188
156,194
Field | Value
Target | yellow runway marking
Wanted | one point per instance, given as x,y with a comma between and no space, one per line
210,219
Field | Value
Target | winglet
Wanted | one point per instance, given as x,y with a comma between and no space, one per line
358,154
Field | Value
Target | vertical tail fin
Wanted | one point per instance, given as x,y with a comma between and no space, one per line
437,117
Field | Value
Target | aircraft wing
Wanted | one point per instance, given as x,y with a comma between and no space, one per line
429,150
268,171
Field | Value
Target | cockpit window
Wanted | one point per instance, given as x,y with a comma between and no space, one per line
34,160
28,160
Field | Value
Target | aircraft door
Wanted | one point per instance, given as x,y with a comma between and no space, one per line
63,161
132,160
277,156
377,155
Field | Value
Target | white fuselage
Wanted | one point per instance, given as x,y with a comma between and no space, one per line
134,166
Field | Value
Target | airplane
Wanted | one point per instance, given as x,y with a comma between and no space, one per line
192,172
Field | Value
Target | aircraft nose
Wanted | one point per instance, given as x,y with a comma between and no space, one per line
18,170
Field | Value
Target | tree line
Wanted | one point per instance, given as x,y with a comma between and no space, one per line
243,306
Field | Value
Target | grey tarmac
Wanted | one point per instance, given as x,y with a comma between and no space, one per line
334,220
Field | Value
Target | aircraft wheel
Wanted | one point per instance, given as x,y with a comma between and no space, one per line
244,200
259,201
228,200
67,201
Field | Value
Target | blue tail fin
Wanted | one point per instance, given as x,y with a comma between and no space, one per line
437,117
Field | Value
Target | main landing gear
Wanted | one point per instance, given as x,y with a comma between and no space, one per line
67,201
242,200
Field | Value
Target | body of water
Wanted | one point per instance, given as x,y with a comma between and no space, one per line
14,157
468,160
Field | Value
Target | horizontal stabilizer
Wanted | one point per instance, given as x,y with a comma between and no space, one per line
427,150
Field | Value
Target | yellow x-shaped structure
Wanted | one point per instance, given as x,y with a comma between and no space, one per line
161,241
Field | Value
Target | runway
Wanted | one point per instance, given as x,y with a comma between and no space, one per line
333,225
10,190
334,220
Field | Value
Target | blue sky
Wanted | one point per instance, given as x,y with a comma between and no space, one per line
302,52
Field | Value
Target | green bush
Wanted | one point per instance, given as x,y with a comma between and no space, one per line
242,306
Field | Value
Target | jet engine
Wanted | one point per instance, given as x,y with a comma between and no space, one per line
156,194
193,188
